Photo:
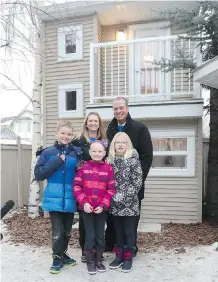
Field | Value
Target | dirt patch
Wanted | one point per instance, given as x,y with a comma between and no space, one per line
37,232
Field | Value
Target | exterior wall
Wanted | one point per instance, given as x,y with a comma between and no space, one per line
68,72
175,199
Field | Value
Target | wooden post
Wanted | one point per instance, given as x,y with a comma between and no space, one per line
19,173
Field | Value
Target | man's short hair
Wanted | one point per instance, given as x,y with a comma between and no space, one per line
122,98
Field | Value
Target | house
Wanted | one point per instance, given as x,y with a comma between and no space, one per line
207,73
21,124
101,50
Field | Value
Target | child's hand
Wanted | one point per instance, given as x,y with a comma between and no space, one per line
88,208
63,157
98,210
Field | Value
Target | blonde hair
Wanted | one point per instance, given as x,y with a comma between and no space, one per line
101,133
64,123
129,151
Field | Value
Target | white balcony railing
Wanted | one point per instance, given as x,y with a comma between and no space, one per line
129,68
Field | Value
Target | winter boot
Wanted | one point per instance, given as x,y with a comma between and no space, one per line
67,260
127,264
83,257
99,265
56,265
118,262
90,261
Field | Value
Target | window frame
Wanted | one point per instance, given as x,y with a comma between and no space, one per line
188,133
62,56
62,112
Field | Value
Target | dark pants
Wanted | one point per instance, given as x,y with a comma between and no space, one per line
81,231
61,223
125,231
110,237
94,228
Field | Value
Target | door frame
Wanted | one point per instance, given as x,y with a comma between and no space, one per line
133,78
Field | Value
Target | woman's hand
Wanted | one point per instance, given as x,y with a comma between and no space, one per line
98,210
88,208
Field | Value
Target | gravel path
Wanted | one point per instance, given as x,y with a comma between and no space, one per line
22,263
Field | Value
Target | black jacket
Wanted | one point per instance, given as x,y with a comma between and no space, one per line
84,145
141,140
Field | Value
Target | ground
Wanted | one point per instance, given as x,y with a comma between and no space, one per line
26,263
180,253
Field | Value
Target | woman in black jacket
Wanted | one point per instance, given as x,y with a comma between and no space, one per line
93,129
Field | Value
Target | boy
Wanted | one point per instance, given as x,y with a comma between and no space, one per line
57,164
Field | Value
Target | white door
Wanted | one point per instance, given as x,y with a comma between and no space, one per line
147,79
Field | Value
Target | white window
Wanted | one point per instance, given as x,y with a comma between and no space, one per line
70,43
70,100
173,152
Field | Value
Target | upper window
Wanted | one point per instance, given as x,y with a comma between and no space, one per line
173,153
70,43
70,100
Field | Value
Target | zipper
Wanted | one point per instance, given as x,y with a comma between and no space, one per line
64,178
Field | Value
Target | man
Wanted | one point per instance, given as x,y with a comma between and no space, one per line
141,140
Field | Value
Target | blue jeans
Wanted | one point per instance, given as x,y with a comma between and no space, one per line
94,229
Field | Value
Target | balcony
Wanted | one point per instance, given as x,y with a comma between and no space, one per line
129,68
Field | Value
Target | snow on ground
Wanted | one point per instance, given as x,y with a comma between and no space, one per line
20,263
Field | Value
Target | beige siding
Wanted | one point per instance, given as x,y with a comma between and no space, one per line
68,72
174,199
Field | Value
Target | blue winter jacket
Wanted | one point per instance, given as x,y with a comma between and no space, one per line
58,194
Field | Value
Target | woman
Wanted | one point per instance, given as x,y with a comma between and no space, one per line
93,129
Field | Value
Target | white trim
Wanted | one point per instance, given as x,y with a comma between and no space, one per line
190,134
62,32
62,112
155,110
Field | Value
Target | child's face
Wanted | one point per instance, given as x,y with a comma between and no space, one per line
120,145
97,151
64,135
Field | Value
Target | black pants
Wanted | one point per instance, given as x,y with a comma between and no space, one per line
94,229
81,231
125,231
110,236
61,223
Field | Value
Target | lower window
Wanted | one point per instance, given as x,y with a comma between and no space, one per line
173,152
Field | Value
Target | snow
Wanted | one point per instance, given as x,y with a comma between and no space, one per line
22,263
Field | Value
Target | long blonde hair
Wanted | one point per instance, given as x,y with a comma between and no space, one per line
129,151
101,133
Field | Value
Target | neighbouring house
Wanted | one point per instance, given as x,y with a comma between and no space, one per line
207,73
21,124
101,50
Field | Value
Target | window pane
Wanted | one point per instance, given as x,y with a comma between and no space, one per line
169,161
70,43
169,144
70,100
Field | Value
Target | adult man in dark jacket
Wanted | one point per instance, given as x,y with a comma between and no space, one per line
141,140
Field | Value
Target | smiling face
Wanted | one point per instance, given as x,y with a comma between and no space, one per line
64,135
120,145
121,111
92,123
97,151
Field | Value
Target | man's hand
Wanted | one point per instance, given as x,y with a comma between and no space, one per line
63,157
88,208
98,210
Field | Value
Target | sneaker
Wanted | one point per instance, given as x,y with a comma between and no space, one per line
67,260
127,266
56,265
118,262
83,258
